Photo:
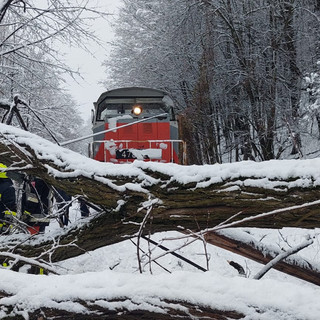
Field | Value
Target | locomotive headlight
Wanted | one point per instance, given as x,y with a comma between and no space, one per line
136,110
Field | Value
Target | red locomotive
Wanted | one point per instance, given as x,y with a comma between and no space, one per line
135,123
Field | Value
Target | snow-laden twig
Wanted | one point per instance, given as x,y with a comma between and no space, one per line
20,101
156,262
200,235
173,252
264,215
229,219
56,244
282,256
142,226
31,261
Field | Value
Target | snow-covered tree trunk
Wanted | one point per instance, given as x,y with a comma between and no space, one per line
242,243
196,197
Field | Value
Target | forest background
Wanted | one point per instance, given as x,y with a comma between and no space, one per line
243,74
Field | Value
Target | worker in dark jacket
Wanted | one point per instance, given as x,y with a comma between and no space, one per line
63,201
35,205
7,201
84,208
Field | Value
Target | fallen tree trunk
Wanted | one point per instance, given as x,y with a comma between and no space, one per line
254,250
189,197
175,310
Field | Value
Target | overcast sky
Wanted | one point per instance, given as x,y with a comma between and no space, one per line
88,90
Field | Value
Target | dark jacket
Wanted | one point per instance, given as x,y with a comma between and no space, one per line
63,204
36,198
7,196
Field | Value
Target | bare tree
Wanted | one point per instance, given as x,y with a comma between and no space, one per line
4,7
235,69
31,64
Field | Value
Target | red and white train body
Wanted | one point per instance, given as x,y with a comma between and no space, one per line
135,123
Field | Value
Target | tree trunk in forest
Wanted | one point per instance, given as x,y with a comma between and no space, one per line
294,76
4,7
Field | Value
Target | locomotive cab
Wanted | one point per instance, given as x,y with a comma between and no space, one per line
134,107
135,123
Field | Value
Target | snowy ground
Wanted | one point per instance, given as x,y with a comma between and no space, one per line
111,273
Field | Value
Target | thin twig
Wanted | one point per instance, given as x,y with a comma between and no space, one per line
280,257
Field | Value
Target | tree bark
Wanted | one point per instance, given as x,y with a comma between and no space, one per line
179,205
264,254
175,310
4,7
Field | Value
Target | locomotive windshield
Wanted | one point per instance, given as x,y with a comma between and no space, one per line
113,107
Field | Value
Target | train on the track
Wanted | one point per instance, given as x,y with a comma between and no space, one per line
136,123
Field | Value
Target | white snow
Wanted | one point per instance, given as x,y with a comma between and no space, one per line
150,153
268,174
89,277
275,299
111,273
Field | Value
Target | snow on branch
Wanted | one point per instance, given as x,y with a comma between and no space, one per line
243,243
277,175
29,261
282,256
270,250
270,194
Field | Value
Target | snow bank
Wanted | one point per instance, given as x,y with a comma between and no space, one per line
109,277
265,299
